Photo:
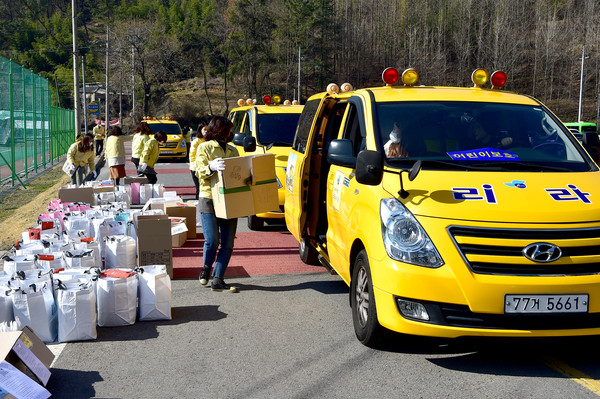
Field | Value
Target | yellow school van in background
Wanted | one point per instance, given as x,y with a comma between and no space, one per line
448,211
177,144
272,125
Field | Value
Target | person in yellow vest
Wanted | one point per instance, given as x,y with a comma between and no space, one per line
115,154
99,136
197,139
219,234
80,155
141,136
150,156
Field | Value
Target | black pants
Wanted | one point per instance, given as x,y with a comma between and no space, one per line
196,182
99,146
152,178
136,162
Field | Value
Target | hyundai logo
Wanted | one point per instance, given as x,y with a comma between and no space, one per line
542,252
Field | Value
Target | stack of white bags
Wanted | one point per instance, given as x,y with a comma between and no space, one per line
77,269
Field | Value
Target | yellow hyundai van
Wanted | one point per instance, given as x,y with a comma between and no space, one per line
272,125
177,144
448,211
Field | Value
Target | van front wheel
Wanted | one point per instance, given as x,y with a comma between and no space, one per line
308,254
362,299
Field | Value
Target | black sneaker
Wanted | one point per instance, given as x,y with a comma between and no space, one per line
204,275
218,284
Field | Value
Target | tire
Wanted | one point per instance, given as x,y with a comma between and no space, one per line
362,299
308,254
255,223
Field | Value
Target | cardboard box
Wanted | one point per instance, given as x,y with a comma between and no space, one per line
186,211
76,194
25,351
154,241
246,187
178,232
135,179
104,189
264,184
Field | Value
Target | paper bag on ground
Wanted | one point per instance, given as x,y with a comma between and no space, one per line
117,298
76,307
154,293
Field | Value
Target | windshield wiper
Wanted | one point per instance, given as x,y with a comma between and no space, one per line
518,165
446,165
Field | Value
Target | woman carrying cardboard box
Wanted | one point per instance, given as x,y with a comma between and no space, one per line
209,159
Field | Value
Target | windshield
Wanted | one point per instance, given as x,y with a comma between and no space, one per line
277,129
168,128
472,135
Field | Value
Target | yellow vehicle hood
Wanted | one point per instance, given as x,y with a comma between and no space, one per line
548,197
281,154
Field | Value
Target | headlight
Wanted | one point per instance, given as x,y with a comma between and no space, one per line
404,238
182,144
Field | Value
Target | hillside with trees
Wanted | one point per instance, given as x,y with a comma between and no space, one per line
192,57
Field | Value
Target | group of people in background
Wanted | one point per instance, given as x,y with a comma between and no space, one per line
208,149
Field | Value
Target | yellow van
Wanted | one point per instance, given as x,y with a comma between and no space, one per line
448,211
177,144
272,126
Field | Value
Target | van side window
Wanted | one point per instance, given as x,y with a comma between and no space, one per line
248,122
352,130
304,125
237,119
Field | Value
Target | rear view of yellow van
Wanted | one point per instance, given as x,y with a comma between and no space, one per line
448,211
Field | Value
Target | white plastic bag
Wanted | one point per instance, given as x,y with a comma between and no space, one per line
145,193
158,190
76,308
80,259
117,298
6,307
105,229
18,263
76,223
35,307
52,260
154,293
121,252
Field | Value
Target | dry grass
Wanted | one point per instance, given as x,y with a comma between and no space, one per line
20,209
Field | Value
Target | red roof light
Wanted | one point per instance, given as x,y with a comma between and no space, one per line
498,79
390,76
267,100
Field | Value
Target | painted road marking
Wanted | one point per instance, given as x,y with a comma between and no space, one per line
572,373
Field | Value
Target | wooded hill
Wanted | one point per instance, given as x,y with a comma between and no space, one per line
222,49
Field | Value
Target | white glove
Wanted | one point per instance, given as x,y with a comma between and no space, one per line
72,168
143,166
217,164
95,174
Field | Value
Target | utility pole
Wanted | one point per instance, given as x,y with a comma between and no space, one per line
581,85
299,56
132,82
106,121
76,104
85,114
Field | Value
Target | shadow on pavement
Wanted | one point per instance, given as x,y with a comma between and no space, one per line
73,383
324,287
143,330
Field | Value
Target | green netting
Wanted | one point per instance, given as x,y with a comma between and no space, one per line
33,133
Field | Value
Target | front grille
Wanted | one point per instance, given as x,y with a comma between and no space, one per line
169,145
461,316
500,251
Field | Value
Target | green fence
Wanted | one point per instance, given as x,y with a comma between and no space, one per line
33,133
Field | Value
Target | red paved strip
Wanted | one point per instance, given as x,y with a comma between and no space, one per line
182,190
159,170
253,254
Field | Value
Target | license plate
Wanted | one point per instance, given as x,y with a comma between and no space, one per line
564,303
166,152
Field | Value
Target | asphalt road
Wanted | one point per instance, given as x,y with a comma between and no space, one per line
291,336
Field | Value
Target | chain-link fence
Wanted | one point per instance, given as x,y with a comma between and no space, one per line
33,133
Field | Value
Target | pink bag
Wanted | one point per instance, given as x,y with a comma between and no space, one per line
54,205
54,215
135,193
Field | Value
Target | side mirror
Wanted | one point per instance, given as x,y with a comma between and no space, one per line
249,143
341,153
238,139
369,167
